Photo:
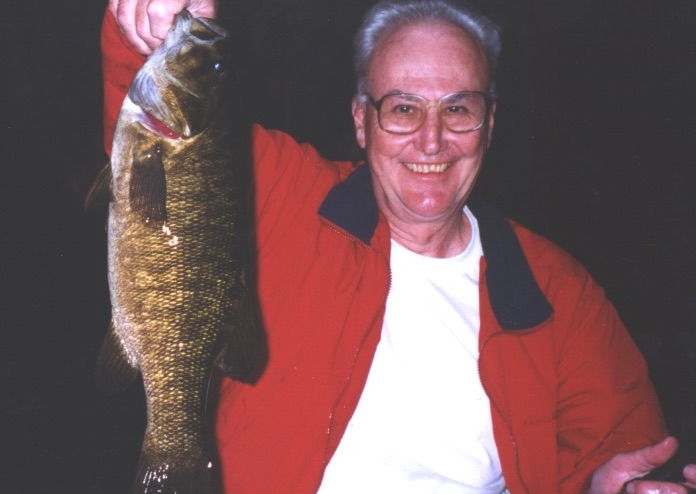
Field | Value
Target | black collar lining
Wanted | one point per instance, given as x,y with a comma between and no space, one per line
515,297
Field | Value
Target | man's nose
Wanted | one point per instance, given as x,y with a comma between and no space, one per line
430,133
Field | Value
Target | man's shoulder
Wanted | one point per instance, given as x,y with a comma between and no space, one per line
546,258
568,286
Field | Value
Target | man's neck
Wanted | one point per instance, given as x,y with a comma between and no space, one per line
433,239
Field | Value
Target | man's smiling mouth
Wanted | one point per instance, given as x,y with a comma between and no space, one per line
428,168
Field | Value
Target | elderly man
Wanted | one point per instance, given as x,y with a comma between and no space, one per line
418,341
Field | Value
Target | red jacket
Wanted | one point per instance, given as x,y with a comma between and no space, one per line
568,387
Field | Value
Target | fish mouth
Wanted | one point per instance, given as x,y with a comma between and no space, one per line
158,127
428,167
153,113
170,107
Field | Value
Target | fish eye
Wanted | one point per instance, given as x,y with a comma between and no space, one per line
219,67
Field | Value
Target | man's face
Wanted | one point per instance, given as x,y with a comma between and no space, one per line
425,176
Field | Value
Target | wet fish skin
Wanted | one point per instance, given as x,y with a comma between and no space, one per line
181,252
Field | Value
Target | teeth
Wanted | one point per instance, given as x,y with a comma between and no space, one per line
432,168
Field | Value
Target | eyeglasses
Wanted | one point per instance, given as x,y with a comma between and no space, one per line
402,113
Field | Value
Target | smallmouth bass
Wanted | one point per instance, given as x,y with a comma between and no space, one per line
180,250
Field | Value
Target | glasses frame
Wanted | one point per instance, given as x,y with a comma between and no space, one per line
429,104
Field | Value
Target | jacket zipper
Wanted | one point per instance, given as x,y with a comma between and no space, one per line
329,429
504,418
355,357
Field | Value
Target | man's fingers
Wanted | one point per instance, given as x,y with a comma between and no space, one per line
690,475
142,26
145,22
124,11
203,8
133,19
654,487
161,15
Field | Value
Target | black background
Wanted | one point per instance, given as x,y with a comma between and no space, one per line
593,147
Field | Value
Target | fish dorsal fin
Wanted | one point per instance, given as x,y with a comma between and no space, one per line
148,186
113,372
100,194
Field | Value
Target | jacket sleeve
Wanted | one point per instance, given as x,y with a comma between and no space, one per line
606,404
120,62
571,393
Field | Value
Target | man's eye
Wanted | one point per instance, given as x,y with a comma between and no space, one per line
456,109
403,109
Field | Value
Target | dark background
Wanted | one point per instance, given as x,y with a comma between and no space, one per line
593,147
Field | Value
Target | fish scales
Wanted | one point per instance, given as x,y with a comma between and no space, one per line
195,273
180,256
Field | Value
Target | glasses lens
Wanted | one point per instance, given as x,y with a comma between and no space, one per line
405,113
463,112
402,113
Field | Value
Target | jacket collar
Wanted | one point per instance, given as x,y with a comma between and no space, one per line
516,299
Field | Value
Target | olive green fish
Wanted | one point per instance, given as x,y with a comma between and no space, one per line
180,250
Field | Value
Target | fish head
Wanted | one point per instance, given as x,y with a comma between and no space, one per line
182,83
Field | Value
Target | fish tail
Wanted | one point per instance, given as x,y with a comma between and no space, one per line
169,477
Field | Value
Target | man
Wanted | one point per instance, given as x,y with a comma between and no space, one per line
418,341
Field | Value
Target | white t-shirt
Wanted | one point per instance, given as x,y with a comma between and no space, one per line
423,422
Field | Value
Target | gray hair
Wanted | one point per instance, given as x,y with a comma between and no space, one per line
389,15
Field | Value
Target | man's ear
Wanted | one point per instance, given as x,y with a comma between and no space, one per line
358,110
491,123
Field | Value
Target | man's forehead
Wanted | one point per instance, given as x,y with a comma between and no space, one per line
426,50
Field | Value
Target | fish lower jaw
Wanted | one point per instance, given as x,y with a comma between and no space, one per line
158,127
428,168
153,123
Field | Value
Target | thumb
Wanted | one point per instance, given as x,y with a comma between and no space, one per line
203,8
651,457
643,461
623,467
161,15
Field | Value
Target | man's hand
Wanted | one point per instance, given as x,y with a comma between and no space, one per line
146,22
617,473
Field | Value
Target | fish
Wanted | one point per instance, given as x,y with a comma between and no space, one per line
181,254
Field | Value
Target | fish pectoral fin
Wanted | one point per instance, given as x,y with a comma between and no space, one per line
113,372
148,186
100,194
245,351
